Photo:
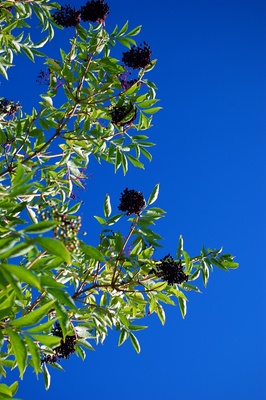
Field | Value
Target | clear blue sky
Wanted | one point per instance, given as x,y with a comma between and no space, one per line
210,162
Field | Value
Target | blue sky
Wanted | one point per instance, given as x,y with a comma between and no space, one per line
209,160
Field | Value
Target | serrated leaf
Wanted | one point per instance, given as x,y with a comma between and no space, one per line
135,161
122,337
7,244
47,377
63,297
107,206
35,354
50,341
33,317
183,306
123,29
152,110
23,274
135,31
48,100
134,342
19,350
101,220
20,172
158,287
55,247
42,327
18,250
41,227
114,219
180,247
154,194
160,312
92,252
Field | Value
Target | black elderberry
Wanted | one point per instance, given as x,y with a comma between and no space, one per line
137,57
49,359
171,271
64,350
8,107
67,16
123,115
94,10
131,202
44,77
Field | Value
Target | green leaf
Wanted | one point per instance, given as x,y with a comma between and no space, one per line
28,52
182,306
126,41
55,247
23,274
18,250
137,327
5,390
19,350
158,287
102,221
160,312
33,317
47,377
135,31
42,327
135,342
50,341
114,219
122,337
3,72
35,354
135,161
230,264
107,206
7,244
123,29
205,272
137,249
63,297
218,264
180,247
41,227
48,101
152,110
154,194
92,252
20,172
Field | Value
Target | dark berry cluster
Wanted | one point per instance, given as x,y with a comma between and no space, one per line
8,107
123,115
171,271
93,11
67,230
67,16
44,77
131,202
65,349
137,57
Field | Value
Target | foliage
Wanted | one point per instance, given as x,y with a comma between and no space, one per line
60,294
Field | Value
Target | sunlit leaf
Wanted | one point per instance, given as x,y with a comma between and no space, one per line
33,317
19,350
55,247
154,194
107,206
135,342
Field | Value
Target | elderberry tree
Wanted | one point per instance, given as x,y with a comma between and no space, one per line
59,294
